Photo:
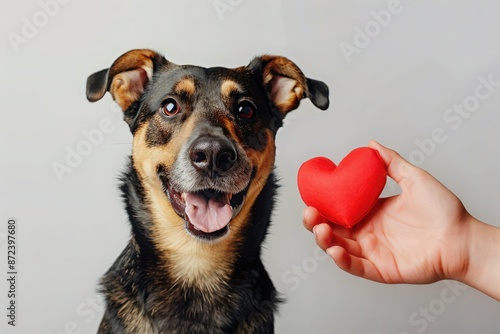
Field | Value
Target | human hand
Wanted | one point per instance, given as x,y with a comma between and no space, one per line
419,236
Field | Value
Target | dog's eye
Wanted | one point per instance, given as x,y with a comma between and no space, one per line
246,110
170,107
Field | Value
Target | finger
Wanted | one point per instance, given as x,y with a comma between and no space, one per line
353,264
398,168
325,238
311,218
341,231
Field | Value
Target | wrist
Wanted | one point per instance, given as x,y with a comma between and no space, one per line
482,269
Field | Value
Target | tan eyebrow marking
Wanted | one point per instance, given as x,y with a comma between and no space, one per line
229,86
185,86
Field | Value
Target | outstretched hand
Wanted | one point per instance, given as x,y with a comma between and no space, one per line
419,236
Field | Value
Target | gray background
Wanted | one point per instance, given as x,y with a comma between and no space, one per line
396,89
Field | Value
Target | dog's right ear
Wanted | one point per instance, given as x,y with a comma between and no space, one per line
126,79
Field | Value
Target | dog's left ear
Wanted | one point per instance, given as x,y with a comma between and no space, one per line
287,85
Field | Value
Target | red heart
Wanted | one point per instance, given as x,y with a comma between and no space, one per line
343,194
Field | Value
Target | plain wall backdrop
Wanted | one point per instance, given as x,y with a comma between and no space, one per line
398,71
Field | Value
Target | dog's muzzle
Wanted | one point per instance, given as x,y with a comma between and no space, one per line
208,185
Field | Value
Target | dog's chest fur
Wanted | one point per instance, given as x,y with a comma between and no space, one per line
146,298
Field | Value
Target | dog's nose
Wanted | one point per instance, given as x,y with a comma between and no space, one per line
212,155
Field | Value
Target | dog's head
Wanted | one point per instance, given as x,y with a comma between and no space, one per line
203,143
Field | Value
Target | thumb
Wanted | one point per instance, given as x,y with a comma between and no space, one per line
398,168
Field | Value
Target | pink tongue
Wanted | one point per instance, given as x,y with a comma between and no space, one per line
207,216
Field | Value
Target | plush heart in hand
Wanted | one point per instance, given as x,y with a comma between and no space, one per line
343,194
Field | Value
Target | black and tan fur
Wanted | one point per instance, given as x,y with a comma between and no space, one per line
171,278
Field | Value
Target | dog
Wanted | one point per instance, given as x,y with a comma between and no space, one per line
198,191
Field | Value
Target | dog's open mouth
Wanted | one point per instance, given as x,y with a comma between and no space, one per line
207,212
